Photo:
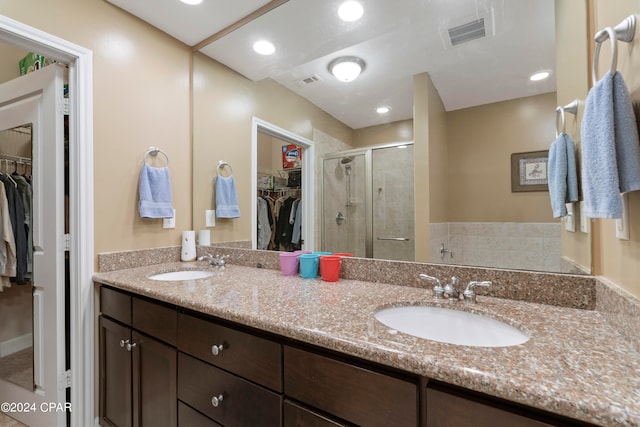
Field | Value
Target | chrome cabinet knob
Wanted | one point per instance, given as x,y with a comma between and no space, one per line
216,349
131,346
216,400
123,343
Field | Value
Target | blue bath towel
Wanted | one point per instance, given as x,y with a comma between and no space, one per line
563,179
226,198
610,148
155,193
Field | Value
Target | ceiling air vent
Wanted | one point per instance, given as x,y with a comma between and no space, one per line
467,32
313,78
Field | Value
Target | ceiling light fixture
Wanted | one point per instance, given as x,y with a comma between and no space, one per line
191,2
383,110
346,68
264,47
350,11
540,75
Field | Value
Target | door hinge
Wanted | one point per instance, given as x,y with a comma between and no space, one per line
67,242
64,381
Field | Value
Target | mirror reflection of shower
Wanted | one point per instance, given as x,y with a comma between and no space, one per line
346,161
357,221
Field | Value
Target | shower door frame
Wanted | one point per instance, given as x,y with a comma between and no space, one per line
368,188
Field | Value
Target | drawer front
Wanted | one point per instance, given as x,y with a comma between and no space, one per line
157,320
243,403
349,392
116,305
254,358
450,410
188,417
297,416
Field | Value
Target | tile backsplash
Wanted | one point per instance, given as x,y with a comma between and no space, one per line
526,246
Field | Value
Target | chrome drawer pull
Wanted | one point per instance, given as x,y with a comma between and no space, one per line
216,349
216,400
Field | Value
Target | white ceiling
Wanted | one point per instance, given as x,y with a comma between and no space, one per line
396,39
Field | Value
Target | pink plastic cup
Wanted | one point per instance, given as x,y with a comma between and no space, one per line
288,263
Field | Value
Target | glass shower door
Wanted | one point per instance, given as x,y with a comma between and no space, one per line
344,205
393,210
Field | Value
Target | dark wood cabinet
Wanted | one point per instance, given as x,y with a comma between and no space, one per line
348,391
296,415
137,372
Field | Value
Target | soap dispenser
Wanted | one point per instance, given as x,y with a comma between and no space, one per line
188,252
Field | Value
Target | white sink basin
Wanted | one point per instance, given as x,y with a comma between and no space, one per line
451,326
182,275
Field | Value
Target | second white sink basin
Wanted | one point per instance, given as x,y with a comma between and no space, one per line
451,326
182,275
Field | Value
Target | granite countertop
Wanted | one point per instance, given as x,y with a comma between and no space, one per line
574,364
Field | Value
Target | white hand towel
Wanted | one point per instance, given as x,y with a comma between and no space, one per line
155,193
563,179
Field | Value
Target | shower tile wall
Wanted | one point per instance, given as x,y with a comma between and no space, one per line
530,246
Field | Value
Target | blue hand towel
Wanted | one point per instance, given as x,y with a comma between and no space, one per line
226,198
155,193
610,148
563,179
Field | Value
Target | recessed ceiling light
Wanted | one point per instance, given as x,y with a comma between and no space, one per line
346,68
350,11
191,2
383,110
540,75
264,47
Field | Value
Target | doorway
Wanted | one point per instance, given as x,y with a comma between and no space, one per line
80,236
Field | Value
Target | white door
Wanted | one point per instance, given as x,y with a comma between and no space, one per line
37,99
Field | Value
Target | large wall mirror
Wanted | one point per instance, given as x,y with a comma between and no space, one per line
456,76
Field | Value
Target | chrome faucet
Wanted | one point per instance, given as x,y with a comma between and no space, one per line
214,261
469,294
451,291
438,290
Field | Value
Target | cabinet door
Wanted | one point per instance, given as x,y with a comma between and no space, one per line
115,374
154,382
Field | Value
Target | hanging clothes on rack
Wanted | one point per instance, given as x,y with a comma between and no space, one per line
16,216
7,245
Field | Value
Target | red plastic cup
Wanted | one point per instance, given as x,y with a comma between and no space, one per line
343,254
330,268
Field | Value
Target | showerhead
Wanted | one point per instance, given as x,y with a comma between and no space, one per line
346,160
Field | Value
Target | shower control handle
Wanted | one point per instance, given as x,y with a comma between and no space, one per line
340,218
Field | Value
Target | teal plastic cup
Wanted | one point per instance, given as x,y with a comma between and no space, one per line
309,264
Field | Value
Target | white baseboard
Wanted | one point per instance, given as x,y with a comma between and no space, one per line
15,344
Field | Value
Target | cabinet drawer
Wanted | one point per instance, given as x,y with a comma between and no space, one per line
297,416
155,319
451,410
116,305
355,394
254,358
188,417
242,403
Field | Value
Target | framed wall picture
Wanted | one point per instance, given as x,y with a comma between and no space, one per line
529,171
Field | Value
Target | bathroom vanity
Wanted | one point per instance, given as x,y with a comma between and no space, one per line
249,347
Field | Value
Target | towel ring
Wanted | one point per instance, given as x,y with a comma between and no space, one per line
153,151
572,108
624,32
220,168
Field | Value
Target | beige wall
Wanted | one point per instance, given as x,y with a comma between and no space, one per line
481,140
421,91
141,98
619,260
400,131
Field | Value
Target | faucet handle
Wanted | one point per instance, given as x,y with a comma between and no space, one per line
438,290
469,294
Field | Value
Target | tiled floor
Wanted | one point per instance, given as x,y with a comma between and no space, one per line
6,421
